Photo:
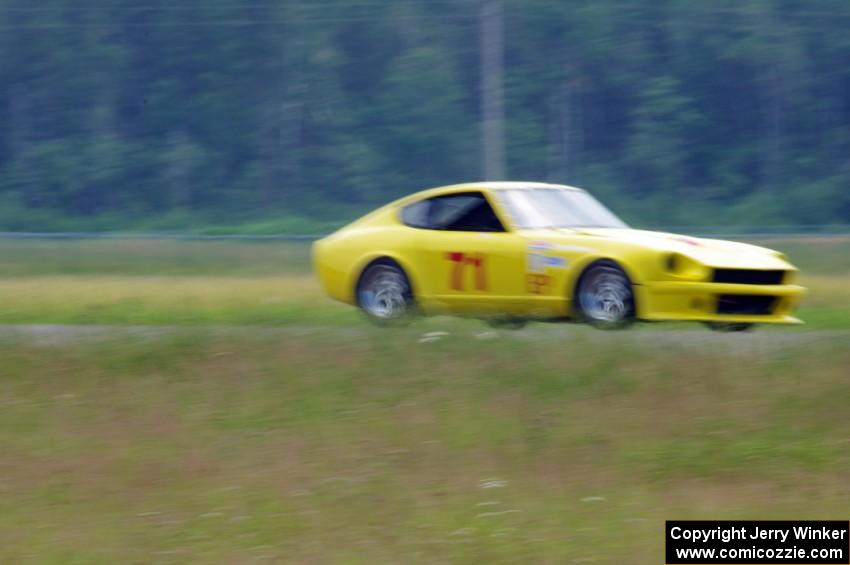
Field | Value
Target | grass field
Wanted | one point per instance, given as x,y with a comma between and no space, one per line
323,440
172,282
375,448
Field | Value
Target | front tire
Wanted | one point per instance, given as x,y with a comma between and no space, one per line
604,296
384,294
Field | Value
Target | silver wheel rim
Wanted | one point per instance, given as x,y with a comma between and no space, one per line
605,295
384,292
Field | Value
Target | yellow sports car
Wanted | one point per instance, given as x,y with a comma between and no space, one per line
509,252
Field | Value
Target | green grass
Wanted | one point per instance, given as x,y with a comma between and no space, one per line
825,255
333,442
266,283
145,258
196,300
374,448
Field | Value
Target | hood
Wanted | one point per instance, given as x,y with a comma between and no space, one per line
710,252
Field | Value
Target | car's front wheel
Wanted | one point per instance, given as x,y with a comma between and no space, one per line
604,296
384,294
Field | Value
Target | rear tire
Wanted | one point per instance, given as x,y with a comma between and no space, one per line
384,294
604,297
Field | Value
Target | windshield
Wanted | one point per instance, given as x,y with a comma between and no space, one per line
556,208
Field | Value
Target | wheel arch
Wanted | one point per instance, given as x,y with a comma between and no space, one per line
380,258
586,265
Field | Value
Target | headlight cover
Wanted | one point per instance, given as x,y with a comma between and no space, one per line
682,266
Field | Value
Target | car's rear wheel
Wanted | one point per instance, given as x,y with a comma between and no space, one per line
729,326
384,294
604,296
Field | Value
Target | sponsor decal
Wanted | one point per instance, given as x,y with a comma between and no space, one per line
536,263
539,260
572,248
547,246
538,284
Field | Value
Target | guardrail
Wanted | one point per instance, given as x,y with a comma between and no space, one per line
754,232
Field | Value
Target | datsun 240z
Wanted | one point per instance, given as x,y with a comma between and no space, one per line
509,252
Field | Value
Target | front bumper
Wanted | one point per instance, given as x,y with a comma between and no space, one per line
701,301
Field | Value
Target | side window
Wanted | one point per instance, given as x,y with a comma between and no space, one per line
468,211
464,212
416,215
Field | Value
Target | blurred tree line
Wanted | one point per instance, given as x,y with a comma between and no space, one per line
117,113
